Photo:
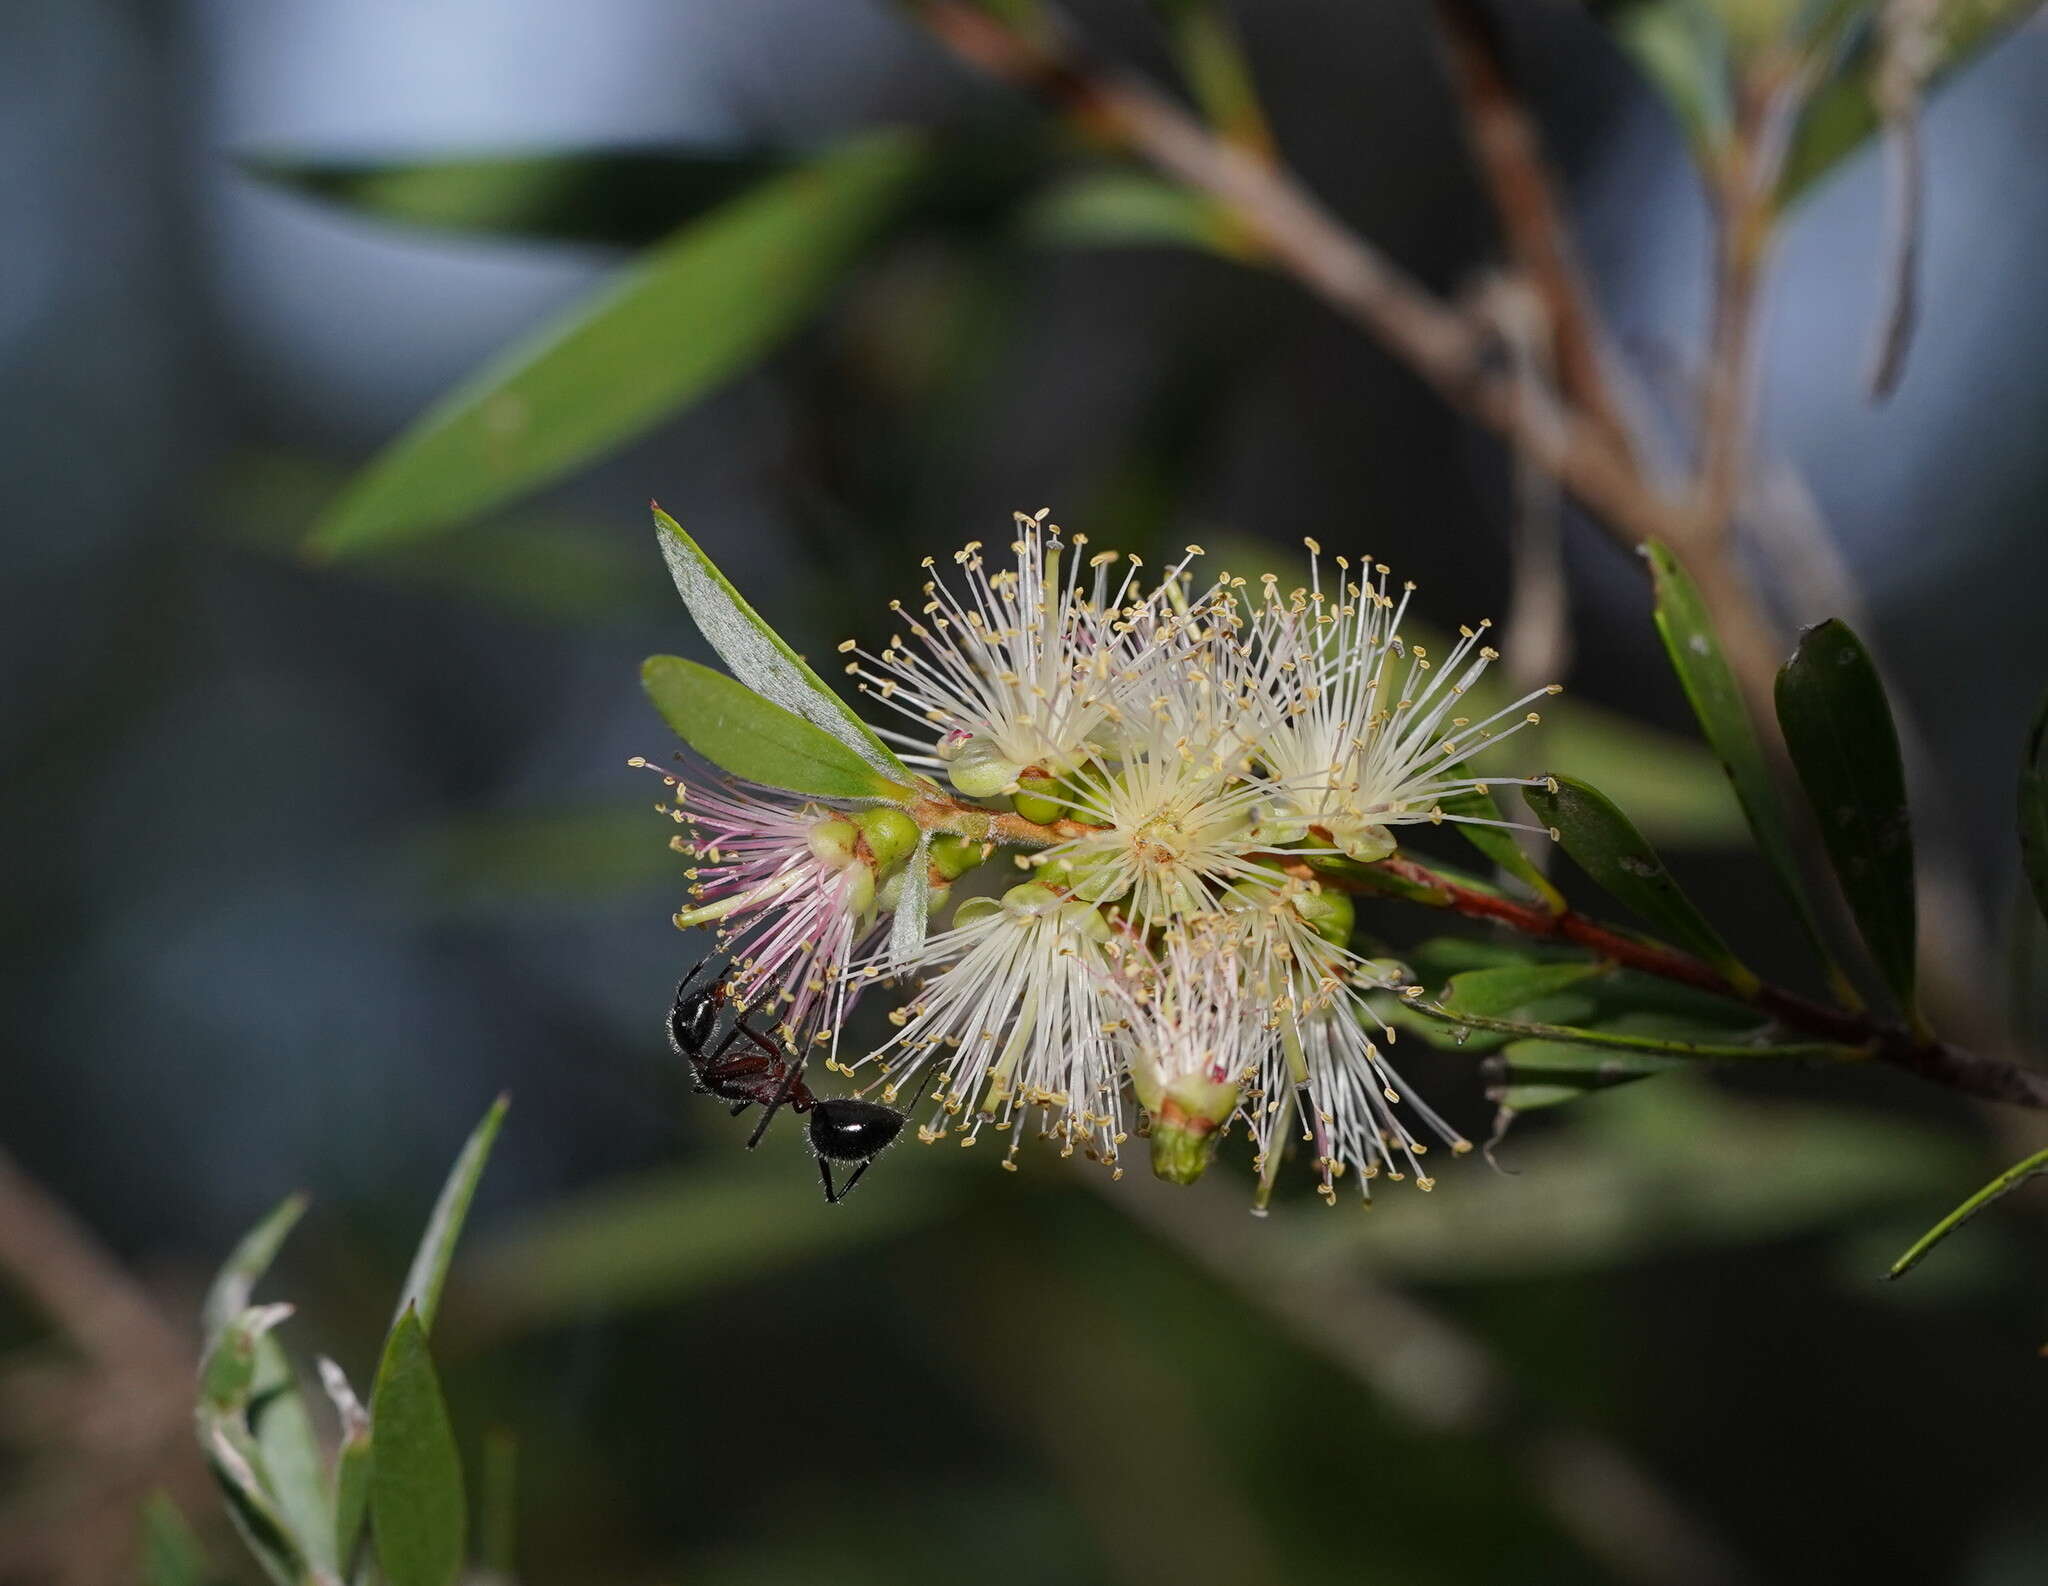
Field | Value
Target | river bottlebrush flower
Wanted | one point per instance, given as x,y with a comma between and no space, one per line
1170,781
790,884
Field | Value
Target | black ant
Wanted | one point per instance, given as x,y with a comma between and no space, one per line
842,1129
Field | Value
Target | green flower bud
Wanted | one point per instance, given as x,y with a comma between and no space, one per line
1029,900
891,836
954,856
1327,912
1366,843
835,841
979,770
890,895
1035,800
860,888
972,909
1186,1125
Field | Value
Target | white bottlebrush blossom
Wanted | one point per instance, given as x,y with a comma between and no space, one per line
1173,768
1323,1074
1028,665
1361,729
1010,1020
781,879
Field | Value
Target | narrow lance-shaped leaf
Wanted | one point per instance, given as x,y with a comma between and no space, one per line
2008,1181
229,1295
740,732
756,652
1531,1074
1603,843
673,325
2034,809
1838,729
351,1465
429,1271
1497,842
625,197
418,1512
1716,699
170,1553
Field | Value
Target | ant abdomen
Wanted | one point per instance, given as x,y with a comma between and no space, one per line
846,1130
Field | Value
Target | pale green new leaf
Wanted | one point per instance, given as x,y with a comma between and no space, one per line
756,652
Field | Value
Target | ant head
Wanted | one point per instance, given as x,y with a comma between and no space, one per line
695,1013
845,1130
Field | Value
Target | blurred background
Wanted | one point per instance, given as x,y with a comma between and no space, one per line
310,858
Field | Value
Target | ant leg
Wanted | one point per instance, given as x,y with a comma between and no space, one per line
853,1178
782,1095
760,1040
825,1173
739,1107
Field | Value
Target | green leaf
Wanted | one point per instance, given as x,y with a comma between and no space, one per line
1844,113
1838,729
672,326
234,1460
742,733
1716,699
351,1465
2034,809
418,1512
1477,806
1608,848
756,653
2008,1181
171,1555
1499,992
429,1272
229,1295
293,1462
1527,1075
624,197
1131,209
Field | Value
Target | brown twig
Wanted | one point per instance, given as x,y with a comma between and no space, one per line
1297,233
1971,1073
1510,157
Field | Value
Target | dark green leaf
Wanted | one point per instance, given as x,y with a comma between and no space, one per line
293,1462
1838,728
1530,1074
2008,1181
171,1555
229,1295
1499,992
1716,699
1608,848
2034,809
429,1272
1478,806
625,197
756,653
681,319
418,1513
740,732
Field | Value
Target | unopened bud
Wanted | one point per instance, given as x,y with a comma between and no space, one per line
950,744
979,770
952,857
973,909
1367,843
1187,1124
860,888
1030,900
1327,912
835,842
1036,800
891,836
889,896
